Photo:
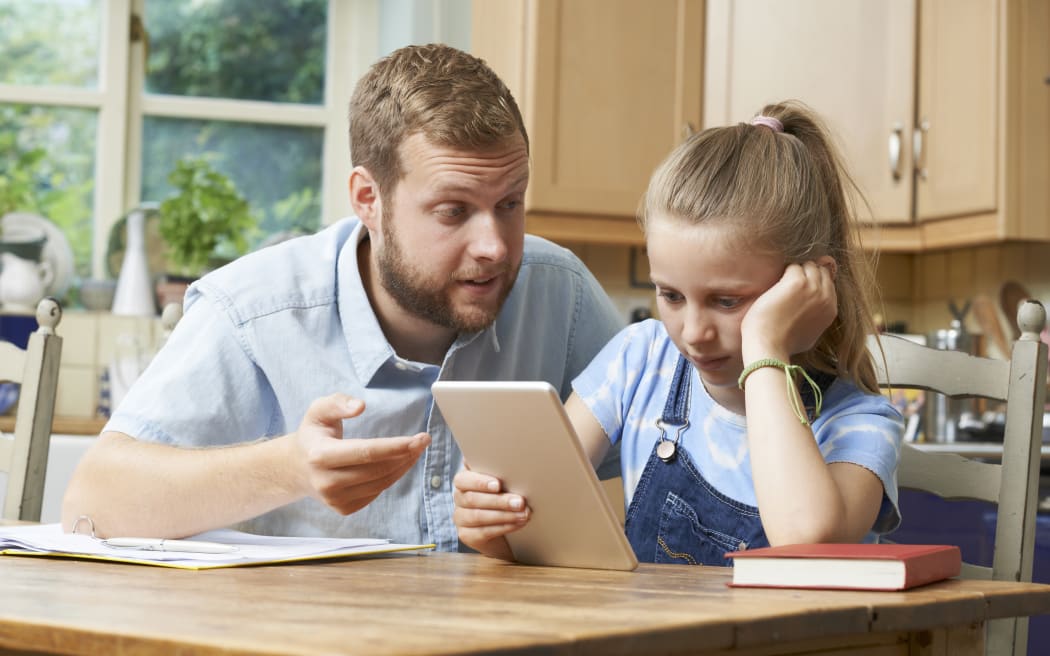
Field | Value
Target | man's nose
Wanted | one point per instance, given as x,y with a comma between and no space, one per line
488,240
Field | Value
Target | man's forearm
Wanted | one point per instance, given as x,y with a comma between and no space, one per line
136,488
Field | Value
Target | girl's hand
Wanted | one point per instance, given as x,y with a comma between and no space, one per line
791,315
484,515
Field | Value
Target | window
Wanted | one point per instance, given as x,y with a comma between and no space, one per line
100,98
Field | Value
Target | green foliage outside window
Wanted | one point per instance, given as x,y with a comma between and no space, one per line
265,50
243,49
33,180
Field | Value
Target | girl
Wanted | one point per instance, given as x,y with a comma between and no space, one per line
749,414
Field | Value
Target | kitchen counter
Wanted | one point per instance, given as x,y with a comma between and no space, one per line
988,450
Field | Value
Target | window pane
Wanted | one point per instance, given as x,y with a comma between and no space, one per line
278,169
271,50
49,153
50,42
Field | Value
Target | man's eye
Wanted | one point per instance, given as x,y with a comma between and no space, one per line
509,205
451,211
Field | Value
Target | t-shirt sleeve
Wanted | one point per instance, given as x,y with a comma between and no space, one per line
596,321
608,384
202,388
867,432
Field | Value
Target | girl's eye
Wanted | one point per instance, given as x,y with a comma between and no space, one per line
727,303
669,296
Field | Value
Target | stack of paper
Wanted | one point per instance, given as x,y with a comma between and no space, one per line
236,548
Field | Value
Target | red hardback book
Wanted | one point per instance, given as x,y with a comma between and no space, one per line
845,566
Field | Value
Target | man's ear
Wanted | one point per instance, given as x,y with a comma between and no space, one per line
364,197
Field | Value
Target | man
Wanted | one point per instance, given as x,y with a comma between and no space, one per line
340,335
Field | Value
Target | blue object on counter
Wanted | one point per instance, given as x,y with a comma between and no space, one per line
16,328
8,396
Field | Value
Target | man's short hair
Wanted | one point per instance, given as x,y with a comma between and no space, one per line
451,97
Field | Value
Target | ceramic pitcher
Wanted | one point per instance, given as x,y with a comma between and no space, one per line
23,282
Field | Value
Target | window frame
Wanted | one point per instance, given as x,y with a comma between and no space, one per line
121,104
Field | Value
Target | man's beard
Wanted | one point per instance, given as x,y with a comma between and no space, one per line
409,289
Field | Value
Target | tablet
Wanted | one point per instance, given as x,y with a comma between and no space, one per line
519,432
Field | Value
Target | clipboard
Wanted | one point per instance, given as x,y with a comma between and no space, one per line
519,432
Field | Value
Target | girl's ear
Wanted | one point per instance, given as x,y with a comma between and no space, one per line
364,197
828,263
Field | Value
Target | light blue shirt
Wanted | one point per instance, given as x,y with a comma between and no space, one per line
266,335
626,389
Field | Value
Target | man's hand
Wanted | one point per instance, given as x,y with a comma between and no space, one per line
484,515
348,474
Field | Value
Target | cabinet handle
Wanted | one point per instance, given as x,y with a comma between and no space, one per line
895,151
918,148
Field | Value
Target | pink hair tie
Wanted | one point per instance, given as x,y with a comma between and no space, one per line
768,121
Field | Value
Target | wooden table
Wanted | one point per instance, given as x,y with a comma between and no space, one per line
468,604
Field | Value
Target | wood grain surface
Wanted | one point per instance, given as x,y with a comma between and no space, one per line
468,604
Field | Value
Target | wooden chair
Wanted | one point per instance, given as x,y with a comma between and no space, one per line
35,369
1013,483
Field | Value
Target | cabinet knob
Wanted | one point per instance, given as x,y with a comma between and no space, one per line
688,130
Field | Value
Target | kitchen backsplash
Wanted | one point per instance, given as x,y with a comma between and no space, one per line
915,289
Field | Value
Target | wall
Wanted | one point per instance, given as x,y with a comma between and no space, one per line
91,342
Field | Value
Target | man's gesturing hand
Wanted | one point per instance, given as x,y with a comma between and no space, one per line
348,474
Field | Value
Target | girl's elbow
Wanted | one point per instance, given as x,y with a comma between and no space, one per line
813,531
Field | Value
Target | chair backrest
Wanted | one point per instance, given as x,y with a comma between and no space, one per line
1012,484
35,369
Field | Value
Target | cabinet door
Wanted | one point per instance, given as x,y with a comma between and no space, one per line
852,61
609,87
957,116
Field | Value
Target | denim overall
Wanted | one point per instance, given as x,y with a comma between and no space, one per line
676,516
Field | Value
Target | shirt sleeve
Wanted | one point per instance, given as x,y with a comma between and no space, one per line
608,385
867,431
202,388
595,322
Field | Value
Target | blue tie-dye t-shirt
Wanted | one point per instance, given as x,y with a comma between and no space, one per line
626,388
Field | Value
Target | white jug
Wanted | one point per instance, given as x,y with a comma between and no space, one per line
23,282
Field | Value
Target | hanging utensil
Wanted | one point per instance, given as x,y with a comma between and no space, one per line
1011,295
987,316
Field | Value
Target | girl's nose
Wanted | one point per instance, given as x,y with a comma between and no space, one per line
697,328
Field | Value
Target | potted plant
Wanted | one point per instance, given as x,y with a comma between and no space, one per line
205,222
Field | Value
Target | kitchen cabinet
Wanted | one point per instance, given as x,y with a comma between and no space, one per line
939,106
607,89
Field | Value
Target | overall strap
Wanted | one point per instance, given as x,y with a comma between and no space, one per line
676,410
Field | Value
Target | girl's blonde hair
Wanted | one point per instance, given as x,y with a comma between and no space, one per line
782,192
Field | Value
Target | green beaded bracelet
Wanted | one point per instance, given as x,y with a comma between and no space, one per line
789,370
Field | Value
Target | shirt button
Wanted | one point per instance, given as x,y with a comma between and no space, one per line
435,482
742,546
401,365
